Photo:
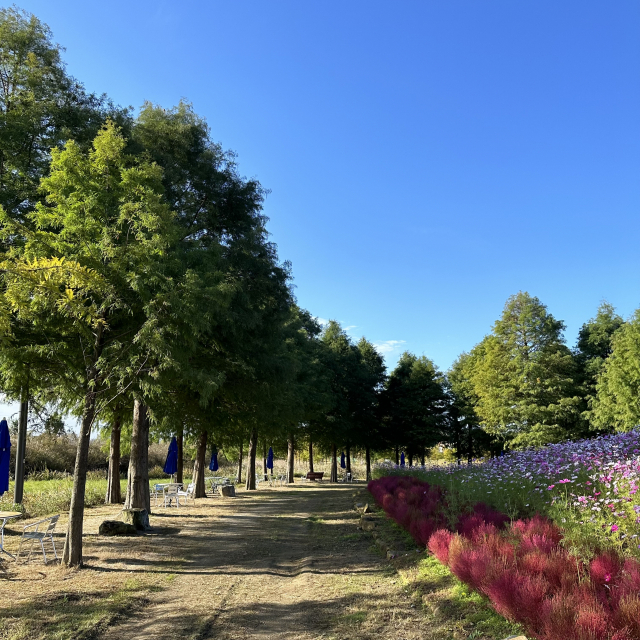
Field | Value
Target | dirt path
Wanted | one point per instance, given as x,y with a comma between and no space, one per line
288,563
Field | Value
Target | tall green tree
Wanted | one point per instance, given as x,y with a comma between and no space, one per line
524,377
593,347
102,235
41,106
617,403
415,405
372,377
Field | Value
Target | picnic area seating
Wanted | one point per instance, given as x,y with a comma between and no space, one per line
156,492
170,495
189,493
315,475
41,531
218,481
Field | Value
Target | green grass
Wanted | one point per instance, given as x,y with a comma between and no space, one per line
72,615
44,497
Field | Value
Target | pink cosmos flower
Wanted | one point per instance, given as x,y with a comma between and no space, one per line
614,527
550,487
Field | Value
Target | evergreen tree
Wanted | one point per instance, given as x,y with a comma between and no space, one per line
523,377
100,238
617,403
592,349
415,405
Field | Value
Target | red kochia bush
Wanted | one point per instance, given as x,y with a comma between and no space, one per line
523,569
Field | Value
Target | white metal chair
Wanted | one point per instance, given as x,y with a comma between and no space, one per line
187,494
41,535
170,493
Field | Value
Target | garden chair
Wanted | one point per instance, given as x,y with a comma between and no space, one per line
187,494
171,494
158,490
40,531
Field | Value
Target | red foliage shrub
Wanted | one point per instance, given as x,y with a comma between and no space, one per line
523,569
627,615
439,545
472,566
592,623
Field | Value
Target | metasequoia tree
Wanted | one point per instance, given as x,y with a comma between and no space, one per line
102,226
523,377
618,387
415,405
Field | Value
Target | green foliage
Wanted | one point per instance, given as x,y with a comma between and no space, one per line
40,106
415,404
523,377
617,403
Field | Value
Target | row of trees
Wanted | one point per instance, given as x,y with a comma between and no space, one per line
523,386
141,293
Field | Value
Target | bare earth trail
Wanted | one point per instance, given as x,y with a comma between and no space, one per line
285,563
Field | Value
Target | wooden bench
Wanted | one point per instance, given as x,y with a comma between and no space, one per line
315,475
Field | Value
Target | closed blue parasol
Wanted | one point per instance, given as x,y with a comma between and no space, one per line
270,458
343,464
171,464
5,454
213,465
402,459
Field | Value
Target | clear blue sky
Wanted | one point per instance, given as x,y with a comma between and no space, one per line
425,159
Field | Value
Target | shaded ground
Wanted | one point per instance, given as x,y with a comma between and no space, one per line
278,563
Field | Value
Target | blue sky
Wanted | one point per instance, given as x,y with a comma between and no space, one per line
425,159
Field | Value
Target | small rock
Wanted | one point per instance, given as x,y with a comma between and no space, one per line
116,528
515,638
359,505
368,525
228,490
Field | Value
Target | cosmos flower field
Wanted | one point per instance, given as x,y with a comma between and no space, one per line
550,536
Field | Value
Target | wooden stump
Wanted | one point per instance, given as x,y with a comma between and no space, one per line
228,490
139,518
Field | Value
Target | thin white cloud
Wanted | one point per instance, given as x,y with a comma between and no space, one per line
351,326
388,346
322,321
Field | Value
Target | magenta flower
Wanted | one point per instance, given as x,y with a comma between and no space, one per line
550,487
614,527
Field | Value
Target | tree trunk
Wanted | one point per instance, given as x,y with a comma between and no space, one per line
72,553
240,463
410,459
18,488
422,457
348,469
180,441
367,456
334,463
199,465
470,445
114,494
397,457
264,458
251,461
310,455
138,477
290,454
